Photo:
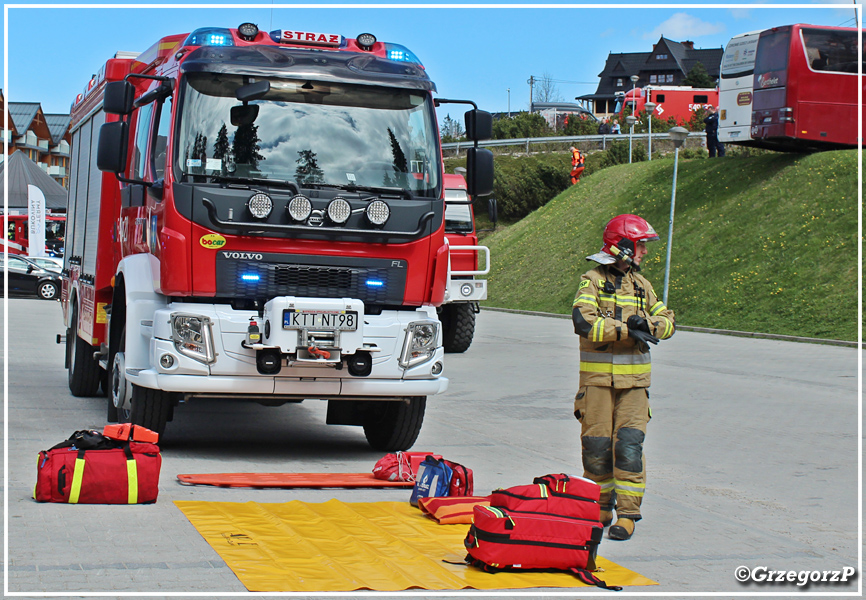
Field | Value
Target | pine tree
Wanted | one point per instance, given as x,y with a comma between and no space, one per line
699,78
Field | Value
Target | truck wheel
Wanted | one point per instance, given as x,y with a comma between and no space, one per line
394,425
119,390
458,326
150,408
84,371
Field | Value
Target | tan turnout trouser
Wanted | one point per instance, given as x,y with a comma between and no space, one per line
613,426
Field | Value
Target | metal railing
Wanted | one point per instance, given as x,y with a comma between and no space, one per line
569,139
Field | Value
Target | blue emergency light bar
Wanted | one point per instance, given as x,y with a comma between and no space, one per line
210,36
251,277
375,283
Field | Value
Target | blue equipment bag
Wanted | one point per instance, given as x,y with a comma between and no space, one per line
433,479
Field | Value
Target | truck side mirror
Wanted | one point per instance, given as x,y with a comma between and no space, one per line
479,172
111,151
492,211
479,125
118,98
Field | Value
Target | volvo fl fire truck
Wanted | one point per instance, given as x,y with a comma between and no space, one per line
260,216
465,290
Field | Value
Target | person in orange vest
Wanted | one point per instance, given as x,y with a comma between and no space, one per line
577,165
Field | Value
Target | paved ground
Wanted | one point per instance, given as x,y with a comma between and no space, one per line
752,457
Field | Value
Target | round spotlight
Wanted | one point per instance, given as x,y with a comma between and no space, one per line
260,205
248,31
299,208
366,41
166,361
378,212
339,211
437,368
466,289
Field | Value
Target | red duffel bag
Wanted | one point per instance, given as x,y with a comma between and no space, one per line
89,468
581,503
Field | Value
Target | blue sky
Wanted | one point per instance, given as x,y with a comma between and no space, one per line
470,52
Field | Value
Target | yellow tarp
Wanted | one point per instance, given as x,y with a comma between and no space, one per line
336,546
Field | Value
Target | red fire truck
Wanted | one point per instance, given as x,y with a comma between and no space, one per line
671,101
260,216
18,235
464,290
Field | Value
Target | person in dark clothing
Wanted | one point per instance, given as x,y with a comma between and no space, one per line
604,127
712,129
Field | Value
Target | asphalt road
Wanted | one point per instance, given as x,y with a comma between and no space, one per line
752,457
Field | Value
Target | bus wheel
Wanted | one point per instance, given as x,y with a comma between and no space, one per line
392,425
458,326
84,371
149,408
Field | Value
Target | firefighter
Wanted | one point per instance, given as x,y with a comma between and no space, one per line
617,315
577,161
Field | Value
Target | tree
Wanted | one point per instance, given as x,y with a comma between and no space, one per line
222,149
522,125
245,147
546,90
452,130
698,77
308,170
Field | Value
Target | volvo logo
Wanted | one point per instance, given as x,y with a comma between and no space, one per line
317,218
243,255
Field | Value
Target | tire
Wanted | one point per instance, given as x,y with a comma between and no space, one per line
150,409
48,290
458,326
84,372
393,425
115,379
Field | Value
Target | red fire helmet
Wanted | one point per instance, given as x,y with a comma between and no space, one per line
630,227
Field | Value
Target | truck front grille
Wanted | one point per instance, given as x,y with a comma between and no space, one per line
374,281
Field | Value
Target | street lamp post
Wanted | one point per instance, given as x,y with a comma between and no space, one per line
678,135
630,120
650,108
509,103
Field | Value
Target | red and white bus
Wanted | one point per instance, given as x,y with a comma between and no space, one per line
805,88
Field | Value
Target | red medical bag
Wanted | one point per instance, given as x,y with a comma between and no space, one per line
94,469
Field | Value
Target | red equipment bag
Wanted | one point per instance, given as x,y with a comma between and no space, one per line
505,540
541,498
462,480
400,466
90,468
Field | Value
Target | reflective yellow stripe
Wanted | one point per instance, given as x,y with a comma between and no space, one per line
597,330
77,476
657,308
669,328
132,480
594,367
606,485
627,488
584,299
542,489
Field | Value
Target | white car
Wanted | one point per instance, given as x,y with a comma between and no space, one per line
49,263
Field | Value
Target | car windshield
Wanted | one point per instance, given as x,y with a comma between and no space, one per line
312,133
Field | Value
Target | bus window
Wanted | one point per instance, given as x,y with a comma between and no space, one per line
773,51
833,51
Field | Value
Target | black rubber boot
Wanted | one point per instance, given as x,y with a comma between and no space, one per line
623,529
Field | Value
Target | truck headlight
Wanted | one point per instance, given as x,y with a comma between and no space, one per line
193,336
420,343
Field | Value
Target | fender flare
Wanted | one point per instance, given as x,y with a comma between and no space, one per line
140,276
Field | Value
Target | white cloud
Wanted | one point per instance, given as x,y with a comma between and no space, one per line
683,26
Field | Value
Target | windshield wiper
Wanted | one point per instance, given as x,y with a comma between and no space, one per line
257,180
351,187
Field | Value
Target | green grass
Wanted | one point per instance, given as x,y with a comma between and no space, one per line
762,243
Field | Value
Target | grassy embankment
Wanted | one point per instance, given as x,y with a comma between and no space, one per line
763,243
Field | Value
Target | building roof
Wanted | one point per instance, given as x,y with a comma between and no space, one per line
681,57
24,172
58,125
23,113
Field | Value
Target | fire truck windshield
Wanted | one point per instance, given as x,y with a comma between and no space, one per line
309,132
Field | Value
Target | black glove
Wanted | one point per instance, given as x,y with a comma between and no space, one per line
638,329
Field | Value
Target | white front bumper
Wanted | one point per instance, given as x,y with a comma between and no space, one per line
234,371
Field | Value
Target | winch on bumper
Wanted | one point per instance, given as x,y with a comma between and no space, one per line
306,347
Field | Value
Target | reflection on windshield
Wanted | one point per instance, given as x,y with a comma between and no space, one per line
309,132
458,217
